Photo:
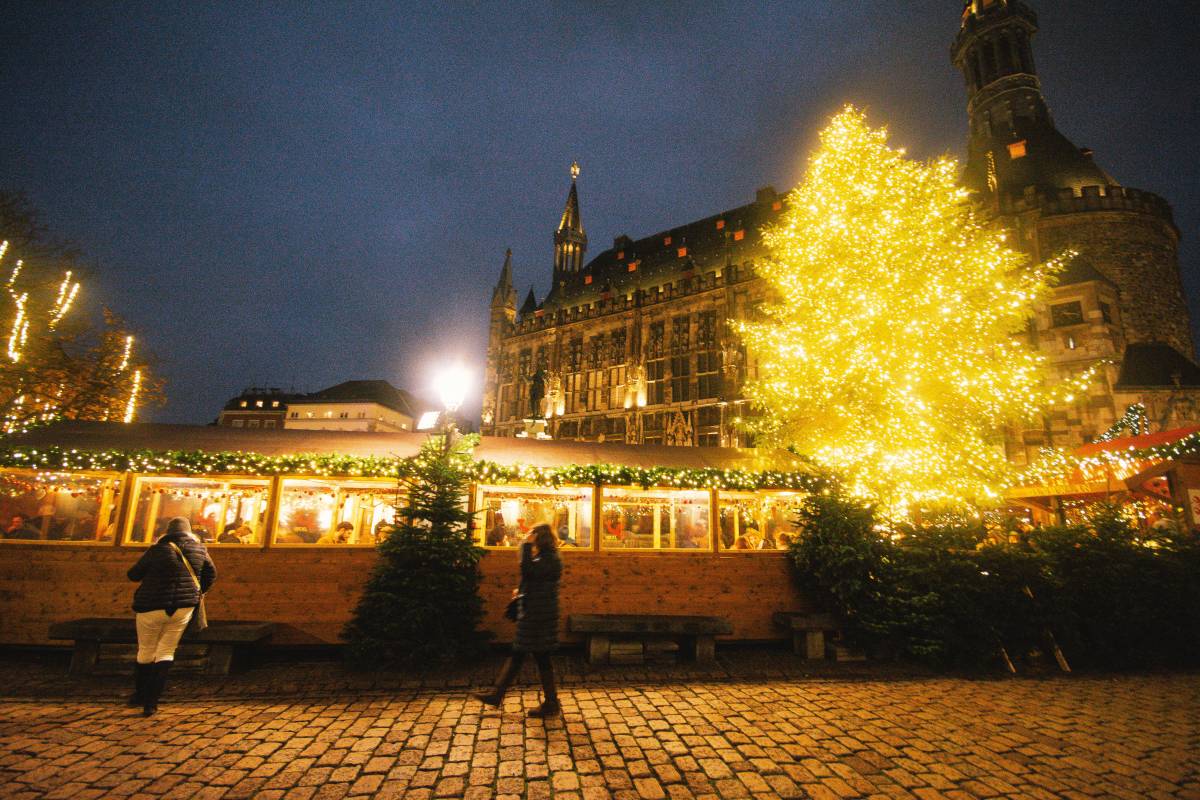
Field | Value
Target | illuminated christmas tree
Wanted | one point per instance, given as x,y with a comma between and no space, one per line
891,350
55,365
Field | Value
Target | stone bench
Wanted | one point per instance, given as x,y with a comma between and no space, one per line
608,635
225,640
808,631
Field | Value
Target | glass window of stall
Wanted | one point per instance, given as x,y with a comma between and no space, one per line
506,514
336,511
655,519
758,520
58,506
223,511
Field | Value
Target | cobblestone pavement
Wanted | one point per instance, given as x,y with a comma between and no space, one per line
623,737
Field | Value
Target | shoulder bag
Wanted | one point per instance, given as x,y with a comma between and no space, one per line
199,620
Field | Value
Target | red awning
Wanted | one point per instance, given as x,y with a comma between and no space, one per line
1137,442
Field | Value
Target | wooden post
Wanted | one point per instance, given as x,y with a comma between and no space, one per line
124,510
274,498
597,517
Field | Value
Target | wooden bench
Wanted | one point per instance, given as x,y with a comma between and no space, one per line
808,631
224,640
609,636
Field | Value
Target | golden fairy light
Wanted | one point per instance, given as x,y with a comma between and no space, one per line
125,354
892,352
131,406
62,303
20,328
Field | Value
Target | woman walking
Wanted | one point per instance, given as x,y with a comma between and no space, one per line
537,619
174,573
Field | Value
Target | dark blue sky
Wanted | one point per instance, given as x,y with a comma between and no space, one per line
299,194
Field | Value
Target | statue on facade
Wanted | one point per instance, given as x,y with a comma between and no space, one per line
537,392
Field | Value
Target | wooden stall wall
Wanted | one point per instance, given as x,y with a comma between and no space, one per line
310,593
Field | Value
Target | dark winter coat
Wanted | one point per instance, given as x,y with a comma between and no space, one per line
537,617
166,583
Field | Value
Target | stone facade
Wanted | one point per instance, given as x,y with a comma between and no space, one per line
634,345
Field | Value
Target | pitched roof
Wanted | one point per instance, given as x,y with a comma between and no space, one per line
1158,365
374,391
706,244
531,304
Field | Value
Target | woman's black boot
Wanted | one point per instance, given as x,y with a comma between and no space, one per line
507,674
141,676
550,706
157,683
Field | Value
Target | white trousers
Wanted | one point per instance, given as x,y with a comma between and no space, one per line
158,635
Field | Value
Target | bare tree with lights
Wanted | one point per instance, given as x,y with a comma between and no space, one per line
891,349
55,363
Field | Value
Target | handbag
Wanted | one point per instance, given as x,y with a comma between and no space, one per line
513,609
199,620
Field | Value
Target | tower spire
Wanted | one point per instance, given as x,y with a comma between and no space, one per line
504,294
570,241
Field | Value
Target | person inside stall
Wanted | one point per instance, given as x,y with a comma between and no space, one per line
685,536
229,535
383,529
497,535
727,536
19,528
564,534
614,526
743,543
245,533
783,541
341,534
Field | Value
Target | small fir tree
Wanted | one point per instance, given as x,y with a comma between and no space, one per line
890,351
421,604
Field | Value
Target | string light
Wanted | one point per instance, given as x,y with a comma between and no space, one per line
181,462
131,406
62,303
20,329
125,355
48,377
892,352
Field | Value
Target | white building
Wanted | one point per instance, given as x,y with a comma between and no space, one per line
372,406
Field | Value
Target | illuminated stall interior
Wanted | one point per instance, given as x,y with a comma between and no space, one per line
304,505
58,506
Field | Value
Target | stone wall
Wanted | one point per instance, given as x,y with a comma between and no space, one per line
1138,253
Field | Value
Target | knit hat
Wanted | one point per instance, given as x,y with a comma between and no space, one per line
179,525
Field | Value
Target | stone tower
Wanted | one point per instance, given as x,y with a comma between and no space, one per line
1052,193
570,242
500,323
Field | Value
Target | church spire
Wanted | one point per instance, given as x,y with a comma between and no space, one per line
570,242
504,294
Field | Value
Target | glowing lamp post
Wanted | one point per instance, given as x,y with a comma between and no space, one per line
451,384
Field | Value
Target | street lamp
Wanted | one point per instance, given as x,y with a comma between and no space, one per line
451,384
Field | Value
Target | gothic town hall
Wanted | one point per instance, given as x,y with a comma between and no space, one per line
632,344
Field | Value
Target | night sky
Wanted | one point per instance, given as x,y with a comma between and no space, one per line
296,194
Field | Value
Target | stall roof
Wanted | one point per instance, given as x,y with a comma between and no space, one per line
504,451
1107,481
1137,442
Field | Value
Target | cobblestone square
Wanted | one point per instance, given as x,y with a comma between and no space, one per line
622,735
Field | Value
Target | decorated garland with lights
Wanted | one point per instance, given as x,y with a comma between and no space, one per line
1055,465
194,462
1133,423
